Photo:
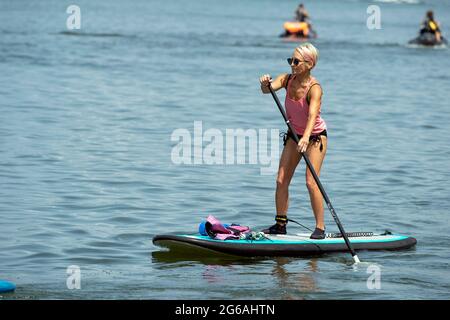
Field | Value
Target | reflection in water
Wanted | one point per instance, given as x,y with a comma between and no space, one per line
213,273
215,266
298,282
292,284
164,258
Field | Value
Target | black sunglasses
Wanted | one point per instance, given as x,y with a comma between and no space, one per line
295,61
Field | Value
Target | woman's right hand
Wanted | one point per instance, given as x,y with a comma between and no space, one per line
276,83
265,80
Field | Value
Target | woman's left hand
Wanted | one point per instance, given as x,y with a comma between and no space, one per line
303,144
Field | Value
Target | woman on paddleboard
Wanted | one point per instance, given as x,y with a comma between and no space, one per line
302,104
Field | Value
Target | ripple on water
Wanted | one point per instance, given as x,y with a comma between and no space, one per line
86,174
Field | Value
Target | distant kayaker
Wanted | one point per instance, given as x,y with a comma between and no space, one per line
429,25
303,106
301,15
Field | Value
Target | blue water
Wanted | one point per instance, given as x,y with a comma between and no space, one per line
86,172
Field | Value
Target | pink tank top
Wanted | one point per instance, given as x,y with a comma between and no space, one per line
298,110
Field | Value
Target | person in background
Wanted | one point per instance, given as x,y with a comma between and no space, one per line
429,25
301,15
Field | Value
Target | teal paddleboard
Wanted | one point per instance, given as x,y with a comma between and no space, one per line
282,245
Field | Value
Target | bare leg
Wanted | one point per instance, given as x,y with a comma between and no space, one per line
316,158
288,162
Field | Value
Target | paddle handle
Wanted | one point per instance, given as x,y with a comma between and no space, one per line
316,178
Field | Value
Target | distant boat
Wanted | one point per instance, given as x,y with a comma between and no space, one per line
298,31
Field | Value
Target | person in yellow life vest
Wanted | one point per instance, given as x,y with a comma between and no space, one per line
430,25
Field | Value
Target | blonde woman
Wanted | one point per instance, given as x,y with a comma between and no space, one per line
302,104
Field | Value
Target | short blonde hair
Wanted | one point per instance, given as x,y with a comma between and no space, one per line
309,53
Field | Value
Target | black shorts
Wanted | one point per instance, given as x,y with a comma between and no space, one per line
314,137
